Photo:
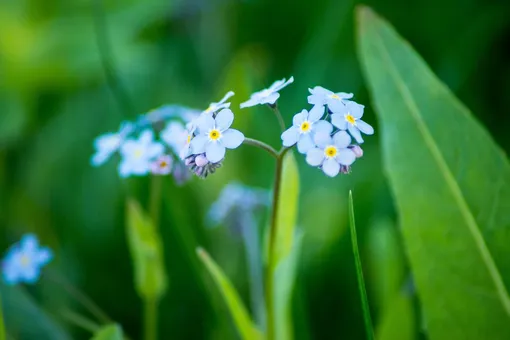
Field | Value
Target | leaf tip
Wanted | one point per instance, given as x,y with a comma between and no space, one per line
201,252
365,13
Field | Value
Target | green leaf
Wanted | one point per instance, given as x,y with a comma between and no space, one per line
2,325
25,319
109,332
242,320
451,184
359,272
397,321
147,253
287,208
284,277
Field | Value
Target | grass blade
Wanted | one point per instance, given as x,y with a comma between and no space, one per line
359,273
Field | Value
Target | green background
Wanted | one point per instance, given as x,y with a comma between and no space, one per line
55,98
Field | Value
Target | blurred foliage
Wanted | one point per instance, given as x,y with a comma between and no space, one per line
64,65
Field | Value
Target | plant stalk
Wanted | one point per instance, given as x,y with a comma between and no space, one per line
261,145
278,116
151,319
272,244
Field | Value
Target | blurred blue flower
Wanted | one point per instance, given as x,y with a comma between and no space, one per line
106,145
137,155
164,113
237,203
215,135
24,261
321,96
347,117
332,153
305,125
162,165
267,96
214,107
177,137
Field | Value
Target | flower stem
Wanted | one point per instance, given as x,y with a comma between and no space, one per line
272,243
261,145
151,319
155,199
278,116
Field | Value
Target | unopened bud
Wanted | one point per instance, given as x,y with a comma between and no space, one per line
358,151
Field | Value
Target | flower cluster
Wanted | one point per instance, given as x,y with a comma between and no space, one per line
327,142
24,261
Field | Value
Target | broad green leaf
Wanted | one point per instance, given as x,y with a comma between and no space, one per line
285,276
359,272
25,319
109,332
242,320
451,184
287,208
147,253
397,321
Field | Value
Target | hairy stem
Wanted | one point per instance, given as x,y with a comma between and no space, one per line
261,145
272,243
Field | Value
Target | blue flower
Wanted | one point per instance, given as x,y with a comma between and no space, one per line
162,165
24,261
214,107
321,96
305,125
236,203
331,153
267,96
177,137
106,145
347,117
214,135
137,155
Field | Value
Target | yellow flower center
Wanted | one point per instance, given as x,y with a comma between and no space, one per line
349,118
214,134
330,151
334,96
163,164
24,260
188,139
209,109
305,126
138,153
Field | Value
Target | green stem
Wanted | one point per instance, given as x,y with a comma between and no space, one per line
151,319
155,199
278,116
2,325
261,145
272,243
80,321
359,272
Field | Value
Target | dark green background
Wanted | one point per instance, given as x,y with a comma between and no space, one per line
55,98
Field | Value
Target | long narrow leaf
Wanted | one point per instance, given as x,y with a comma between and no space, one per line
239,313
109,332
359,272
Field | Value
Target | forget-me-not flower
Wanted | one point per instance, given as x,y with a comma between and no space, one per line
321,96
106,145
215,135
348,117
331,153
137,155
177,137
164,113
24,261
222,104
305,125
162,165
267,96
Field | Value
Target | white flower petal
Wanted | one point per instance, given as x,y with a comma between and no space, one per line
316,113
224,119
322,139
299,118
232,138
355,109
271,99
339,121
345,156
205,122
305,143
344,95
319,90
124,168
214,152
249,103
315,156
365,127
342,139
323,126
290,136
146,137
336,106
331,167
198,144
154,150
276,85
282,84
354,131
226,97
